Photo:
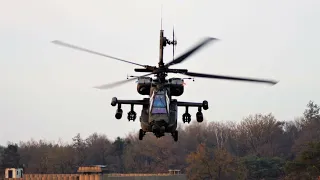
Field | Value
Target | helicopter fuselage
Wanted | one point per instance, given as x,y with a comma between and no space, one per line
159,113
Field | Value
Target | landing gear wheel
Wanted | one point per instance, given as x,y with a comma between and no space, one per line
175,135
141,134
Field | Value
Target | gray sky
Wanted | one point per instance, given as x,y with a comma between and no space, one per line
46,90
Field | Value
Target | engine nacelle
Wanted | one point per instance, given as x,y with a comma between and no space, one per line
176,86
144,85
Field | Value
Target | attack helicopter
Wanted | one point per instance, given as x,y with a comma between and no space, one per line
159,114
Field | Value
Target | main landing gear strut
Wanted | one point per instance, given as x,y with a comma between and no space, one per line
175,135
141,134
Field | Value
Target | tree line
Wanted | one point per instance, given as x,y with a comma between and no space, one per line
258,147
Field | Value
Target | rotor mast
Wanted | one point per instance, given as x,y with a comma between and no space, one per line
162,45
163,42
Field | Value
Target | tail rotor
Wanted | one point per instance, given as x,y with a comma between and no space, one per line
174,43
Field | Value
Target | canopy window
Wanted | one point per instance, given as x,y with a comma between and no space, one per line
159,103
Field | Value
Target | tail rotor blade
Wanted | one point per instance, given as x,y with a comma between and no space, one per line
173,46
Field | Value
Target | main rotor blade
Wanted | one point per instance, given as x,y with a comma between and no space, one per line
193,74
57,42
118,83
190,51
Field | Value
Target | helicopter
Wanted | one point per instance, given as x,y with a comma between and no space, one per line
159,114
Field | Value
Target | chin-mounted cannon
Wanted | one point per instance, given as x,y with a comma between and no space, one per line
132,115
186,117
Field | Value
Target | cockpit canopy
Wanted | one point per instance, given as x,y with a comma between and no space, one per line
159,103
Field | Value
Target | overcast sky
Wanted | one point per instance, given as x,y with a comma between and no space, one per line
47,91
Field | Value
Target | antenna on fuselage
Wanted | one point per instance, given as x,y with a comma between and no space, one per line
162,44
161,18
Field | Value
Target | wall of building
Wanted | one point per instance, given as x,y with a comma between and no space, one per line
144,177
99,177
48,177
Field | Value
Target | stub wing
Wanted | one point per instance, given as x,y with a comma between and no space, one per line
203,105
132,115
115,101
